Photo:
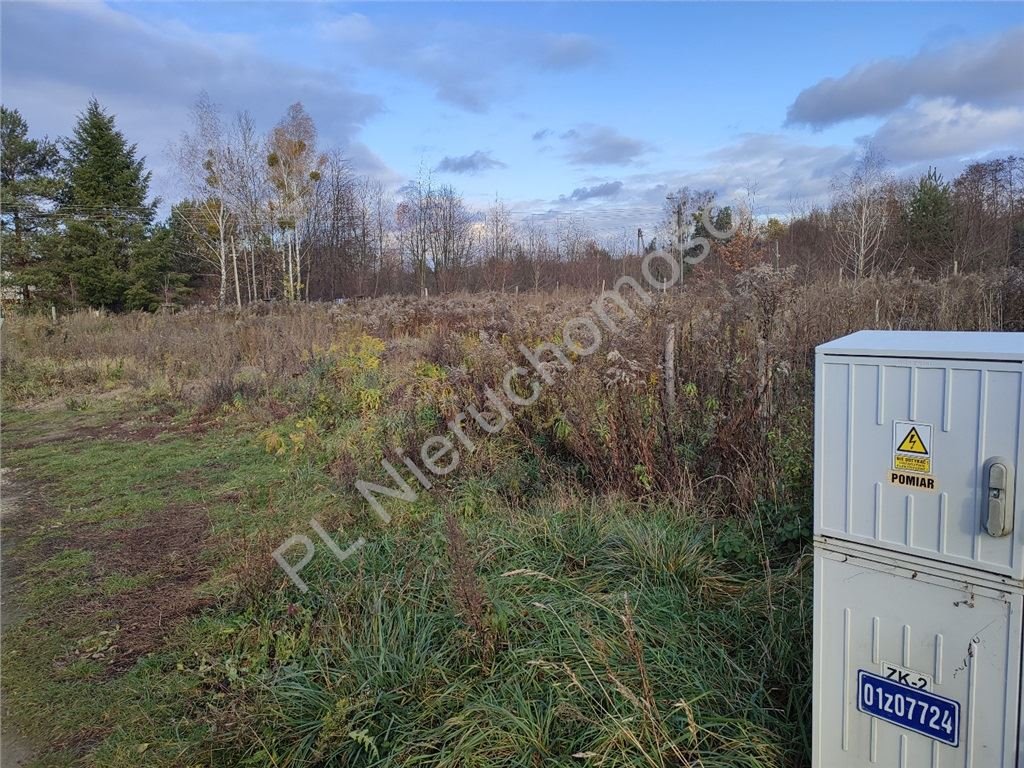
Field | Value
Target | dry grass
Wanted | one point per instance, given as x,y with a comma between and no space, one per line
618,578
741,371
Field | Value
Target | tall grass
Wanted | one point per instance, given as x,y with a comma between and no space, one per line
600,634
620,578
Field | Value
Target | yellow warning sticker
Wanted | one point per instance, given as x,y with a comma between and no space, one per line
913,443
912,463
912,447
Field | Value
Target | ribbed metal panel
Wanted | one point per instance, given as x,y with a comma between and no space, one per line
974,412
966,637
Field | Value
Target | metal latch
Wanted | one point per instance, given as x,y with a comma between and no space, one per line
997,505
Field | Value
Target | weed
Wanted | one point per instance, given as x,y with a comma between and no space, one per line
617,578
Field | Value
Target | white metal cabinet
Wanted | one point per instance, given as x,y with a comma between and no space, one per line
963,640
912,587
973,409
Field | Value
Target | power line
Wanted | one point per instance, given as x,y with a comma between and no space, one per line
66,206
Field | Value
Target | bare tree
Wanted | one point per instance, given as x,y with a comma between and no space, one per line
860,214
450,236
499,244
538,250
681,214
201,161
246,188
988,199
382,213
412,217
295,168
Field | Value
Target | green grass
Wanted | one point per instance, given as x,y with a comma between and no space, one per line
552,632
55,698
607,635
116,583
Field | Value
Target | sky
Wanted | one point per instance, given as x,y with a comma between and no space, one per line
595,110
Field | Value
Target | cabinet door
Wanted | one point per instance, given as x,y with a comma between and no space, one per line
912,669
900,447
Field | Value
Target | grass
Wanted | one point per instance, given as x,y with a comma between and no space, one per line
609,630
614,580
62,696
603,636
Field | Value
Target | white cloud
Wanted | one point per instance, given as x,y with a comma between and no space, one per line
989,72
567,51
602,145
941,128
475,162
781,171
597,191
353,28
55,57
365,162
781,174
467,65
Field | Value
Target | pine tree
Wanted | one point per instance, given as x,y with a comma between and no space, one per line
930,220
27,188
106,215
152,279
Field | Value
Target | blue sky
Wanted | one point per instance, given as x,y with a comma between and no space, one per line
598,109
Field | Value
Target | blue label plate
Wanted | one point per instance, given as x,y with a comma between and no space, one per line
916,710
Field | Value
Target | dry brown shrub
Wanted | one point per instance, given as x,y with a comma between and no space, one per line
737,425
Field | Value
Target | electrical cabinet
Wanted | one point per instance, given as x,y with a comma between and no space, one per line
919,550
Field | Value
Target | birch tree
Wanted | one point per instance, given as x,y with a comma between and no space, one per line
245,186
860,215
294,168
201,160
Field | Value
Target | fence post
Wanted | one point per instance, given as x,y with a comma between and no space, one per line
669,370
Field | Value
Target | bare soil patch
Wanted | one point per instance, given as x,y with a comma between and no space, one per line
128,431
162,556
167,555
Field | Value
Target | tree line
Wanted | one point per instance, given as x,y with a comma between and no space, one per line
273,216
77,225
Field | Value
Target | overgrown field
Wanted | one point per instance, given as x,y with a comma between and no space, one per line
620,576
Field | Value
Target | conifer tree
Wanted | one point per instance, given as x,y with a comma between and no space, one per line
930,220
27,188
106,216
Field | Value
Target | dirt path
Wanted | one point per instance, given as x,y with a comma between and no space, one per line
14,750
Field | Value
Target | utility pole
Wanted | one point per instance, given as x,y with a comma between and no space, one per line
679,232
679,238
